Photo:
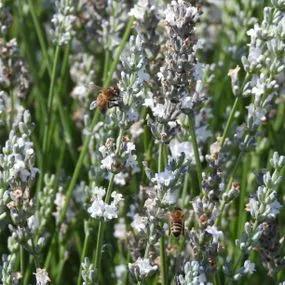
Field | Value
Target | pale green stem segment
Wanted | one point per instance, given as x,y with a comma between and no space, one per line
163,271
62,113
229,121
40,35
196,151
48,115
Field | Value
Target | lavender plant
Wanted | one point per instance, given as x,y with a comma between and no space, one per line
142,142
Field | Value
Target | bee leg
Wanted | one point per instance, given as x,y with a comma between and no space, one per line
113,103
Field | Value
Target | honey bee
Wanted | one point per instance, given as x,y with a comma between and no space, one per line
176,220
107,98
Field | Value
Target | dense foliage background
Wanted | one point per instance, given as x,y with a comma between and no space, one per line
86,195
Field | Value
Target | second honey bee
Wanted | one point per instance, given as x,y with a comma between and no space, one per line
107,98
176,220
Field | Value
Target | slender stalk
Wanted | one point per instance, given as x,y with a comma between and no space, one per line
185,189
62,112
22,260
242,213
12,108
106,64
40,35
163,272
229,121
48,115
28,272
196,150
63,117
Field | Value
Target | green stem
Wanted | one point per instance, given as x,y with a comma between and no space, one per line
242,213
60,266
12,109
22,261
196,151
185,189
48,115
46,57
106,64
163,271
62,112
229,121
40,35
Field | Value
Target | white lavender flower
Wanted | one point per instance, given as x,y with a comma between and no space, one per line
142,268
100,209
63,22
194,274
14,75
139,223
123,163
120,229
120,272
113,25
177,74
247,269
9,275
42,277
17,160
264,204
262,230
261,83
216,234
166,183
88,272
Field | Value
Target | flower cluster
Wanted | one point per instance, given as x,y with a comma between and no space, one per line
166,184
262,83
18,158
142,269
116,163
100,22
247,269
147,18
14,75
8,274
42,277
194,273
179,75
100,209
63,22
261,232
88,272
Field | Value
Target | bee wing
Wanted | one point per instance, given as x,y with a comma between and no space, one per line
92,87
93,105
